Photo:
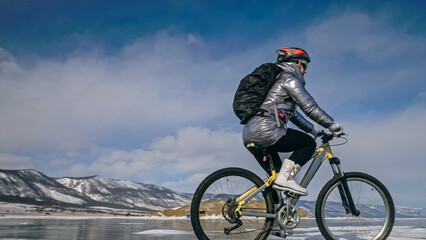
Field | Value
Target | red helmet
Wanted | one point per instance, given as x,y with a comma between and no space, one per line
290,54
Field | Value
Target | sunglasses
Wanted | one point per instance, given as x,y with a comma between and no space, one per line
304,65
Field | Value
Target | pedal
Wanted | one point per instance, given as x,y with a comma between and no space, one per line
293,195
277,230
277,234
282,234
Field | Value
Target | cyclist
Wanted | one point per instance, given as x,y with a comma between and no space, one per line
265,132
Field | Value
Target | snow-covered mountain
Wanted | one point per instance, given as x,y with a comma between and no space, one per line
127,193
33,187
30,186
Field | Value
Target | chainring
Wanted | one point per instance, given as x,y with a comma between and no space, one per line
291,221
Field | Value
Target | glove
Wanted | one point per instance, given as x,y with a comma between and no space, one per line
336,129
314,133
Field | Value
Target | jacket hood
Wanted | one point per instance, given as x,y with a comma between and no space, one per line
293,68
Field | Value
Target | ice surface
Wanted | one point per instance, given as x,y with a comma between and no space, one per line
407,232
131,223
156,228
162,232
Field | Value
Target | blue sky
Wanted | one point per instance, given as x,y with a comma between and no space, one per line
143,91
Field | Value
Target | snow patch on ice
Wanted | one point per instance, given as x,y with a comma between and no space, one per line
162,232
131,223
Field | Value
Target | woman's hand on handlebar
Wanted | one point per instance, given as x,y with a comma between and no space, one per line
336,129
327,136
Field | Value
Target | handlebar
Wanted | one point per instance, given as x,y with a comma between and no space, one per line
326,137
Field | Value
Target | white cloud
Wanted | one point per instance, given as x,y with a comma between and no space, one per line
359,58
188,184
371,38
10,161
193,150
158,82
390,145
6,58
196,41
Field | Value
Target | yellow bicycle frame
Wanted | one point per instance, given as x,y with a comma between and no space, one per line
320,155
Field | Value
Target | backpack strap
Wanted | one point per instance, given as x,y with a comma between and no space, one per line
275,103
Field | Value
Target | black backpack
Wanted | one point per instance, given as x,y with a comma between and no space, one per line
253,89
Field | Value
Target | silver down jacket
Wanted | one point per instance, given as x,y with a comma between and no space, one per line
263,131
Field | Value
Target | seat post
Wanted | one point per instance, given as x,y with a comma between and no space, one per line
267,156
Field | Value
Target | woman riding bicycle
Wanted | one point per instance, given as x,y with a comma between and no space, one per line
265,132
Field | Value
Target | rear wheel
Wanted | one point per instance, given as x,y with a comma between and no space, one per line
213,205
372,199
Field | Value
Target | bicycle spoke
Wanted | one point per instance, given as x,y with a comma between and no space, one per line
217,198
376,212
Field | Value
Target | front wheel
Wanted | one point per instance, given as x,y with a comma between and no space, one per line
376,214
213,205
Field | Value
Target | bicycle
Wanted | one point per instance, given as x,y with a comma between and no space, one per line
234,203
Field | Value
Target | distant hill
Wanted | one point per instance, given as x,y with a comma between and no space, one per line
126,193
30,186
33,187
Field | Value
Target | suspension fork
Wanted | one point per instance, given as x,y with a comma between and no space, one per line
345,193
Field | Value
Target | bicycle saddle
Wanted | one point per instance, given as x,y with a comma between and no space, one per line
253,147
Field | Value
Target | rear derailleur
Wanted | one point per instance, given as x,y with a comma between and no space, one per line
228,212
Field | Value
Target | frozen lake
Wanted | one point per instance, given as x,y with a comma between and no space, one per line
146,228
